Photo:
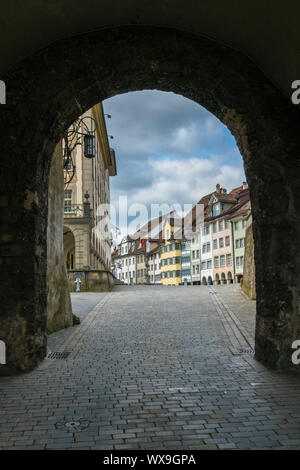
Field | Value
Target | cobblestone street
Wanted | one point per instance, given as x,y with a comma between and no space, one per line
154,367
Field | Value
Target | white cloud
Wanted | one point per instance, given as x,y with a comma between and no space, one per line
183,181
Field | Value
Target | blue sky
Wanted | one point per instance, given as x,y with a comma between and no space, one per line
169,149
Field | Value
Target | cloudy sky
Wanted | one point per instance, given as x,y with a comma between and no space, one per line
168,150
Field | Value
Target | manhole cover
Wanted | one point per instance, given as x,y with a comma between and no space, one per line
76,424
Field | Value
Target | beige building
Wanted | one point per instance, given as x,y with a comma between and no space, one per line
88,164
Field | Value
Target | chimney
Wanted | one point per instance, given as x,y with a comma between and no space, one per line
217,188
245,185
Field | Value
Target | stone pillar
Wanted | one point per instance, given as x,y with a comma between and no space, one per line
59,309
82,247
23,254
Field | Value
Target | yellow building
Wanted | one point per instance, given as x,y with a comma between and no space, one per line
170,254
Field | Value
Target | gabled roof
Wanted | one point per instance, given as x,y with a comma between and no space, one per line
242,206
153,229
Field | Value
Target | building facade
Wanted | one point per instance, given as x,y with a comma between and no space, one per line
124,261
154,271
186,277
196,257
238,224
88,164
206,266
170,255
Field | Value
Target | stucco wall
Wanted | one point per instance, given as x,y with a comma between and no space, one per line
59,310
248,284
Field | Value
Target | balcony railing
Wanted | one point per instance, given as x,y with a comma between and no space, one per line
77,210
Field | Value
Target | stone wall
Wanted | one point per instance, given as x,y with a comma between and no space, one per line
248,283
92,281
59,310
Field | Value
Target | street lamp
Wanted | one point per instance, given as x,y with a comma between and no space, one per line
89,146
72,138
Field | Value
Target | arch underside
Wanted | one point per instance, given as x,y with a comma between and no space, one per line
49,90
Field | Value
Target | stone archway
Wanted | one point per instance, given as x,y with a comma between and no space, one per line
69,247
204,283
46,93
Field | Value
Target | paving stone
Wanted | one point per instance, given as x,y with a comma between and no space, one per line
158,377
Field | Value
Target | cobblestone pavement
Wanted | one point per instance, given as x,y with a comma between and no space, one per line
82,304
155,367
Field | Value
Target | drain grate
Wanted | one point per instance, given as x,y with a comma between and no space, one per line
58,355
241,351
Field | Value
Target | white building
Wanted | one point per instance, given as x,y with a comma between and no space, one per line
196,258
206,273
186,277
125,262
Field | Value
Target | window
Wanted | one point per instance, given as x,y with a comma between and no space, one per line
215,244
221,225
227,223
206,230
239,260
227,241
216,209
228,260
203,265
216,258
193,254
236,225
221,242
68,200
197,269
194,269
222,260
240,243
215,227
209,264
206,247
198,253
244,222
